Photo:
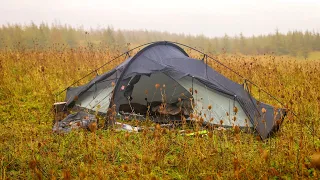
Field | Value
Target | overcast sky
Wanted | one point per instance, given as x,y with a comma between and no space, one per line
208,17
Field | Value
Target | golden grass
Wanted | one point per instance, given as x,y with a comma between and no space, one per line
28,148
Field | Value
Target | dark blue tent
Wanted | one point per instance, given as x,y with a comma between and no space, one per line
179,78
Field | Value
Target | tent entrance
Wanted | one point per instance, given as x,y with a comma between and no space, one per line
154,91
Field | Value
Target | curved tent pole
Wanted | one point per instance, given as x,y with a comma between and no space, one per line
210,58
95,70
238,74
166,42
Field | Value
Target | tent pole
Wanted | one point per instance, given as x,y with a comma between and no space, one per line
192,85
125,53
206,66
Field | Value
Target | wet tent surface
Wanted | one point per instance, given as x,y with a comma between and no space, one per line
171,60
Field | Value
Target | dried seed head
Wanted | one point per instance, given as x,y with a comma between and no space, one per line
32,164
66,174
209,107
125,167
93,127
41,68
235,109
126,136
265,155
158,126
191,115
144,132
157,86
236,129
210,134
235,163
315,160
201,119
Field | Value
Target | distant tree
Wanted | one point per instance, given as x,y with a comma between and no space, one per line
242,44
210,48
120,39
108,37
226,43
44,33
294,44
70,37
56,36
316,42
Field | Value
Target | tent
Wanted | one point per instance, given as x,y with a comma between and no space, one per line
163,72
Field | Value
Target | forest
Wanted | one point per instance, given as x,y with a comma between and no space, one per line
43,36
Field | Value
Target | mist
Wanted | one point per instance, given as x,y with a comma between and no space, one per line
205,17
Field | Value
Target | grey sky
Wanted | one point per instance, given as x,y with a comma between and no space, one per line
208,17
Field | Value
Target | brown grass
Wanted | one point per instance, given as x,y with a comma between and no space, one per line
29,80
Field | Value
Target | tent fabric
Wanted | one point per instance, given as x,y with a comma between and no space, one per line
221,105
174,63
74,121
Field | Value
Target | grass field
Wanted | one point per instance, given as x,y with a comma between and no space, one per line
29,80
314,55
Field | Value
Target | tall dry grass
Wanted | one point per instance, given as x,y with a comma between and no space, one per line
28,149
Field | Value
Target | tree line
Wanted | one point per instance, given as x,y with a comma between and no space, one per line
295,43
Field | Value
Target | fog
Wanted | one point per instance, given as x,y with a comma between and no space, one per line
208,17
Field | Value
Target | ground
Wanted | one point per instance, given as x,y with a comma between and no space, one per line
29,81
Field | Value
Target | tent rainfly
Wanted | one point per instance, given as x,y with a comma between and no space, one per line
163,72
